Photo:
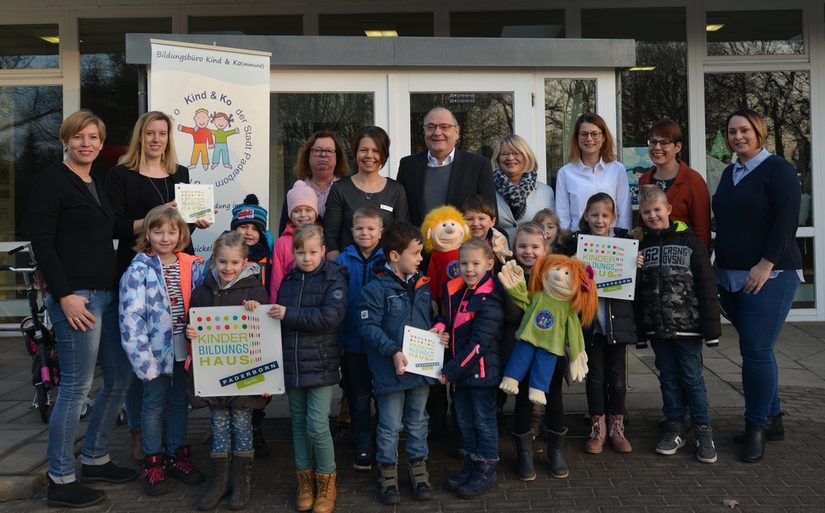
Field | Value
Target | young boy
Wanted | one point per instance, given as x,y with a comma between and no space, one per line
481,218
394,298
359,258
676,309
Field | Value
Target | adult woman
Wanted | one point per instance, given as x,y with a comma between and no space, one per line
686,191
519,194
759,266
321,162
592,168
71,225
367,187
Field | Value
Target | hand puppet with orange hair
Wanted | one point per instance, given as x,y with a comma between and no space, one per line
561,296
444,230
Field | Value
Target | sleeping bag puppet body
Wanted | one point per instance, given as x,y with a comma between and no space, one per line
561,289
444,230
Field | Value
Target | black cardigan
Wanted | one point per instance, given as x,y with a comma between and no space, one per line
71,232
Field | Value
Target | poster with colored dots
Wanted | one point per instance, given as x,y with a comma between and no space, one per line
614,264
424,352
236,352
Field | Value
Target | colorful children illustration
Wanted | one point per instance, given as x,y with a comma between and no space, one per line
221,152
201,137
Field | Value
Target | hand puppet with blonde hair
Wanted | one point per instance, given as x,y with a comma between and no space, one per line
444,230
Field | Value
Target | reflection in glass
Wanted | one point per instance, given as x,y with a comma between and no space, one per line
542,24
564,101
29,46
288,25
403,23
295,117
776,32
483,117
806,294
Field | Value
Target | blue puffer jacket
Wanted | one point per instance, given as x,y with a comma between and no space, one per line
360,273
474,319
315,306
387,305
146,315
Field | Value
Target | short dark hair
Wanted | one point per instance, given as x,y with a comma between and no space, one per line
666,128
379,137
478,203
398,237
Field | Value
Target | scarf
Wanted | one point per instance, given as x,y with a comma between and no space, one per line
515,195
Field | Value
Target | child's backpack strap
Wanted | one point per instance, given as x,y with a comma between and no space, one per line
270,241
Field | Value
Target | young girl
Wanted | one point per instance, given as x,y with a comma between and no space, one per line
230,282
302,204
551,227
473,305
154,298
311,304
605,340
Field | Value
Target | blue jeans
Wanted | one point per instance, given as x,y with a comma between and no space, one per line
231,430
680,377
475,409
408,409
309,408
758,318
79,352
165,399
358,386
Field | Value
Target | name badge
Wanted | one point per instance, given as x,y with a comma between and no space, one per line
386,207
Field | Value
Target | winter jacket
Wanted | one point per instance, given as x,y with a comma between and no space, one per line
387,305
360,272
316,303
245,288
283,260
146,313
676,294
474,320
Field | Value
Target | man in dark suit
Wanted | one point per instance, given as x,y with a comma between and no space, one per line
443,174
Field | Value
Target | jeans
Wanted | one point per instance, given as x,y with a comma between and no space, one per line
408,409
231,430
79,352
679,363
134,402
605,383
475,409
309,408
358,387
758,318
165,399
540,363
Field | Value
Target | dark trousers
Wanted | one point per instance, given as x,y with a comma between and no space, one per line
605,382
553,412
357,381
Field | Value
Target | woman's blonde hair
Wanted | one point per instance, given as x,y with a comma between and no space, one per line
520,145
306,232
157,217
756,122
135,156
79,120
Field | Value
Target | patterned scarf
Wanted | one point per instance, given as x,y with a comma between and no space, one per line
515,195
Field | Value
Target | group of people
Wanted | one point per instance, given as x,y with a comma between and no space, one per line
344,278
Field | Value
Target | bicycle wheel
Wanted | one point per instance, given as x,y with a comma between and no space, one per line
43,403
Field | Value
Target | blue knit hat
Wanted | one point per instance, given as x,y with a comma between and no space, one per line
249,212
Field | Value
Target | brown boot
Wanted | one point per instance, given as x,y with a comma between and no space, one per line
595,442
325,500
617,439
305,495
137,443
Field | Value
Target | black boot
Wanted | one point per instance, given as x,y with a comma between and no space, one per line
73,495
482,479
753,447
555,454
241,478
463,475
259,442
219,486
525,469
774,431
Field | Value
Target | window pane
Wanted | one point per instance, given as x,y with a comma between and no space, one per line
403,23
507,24
806,294
564,101
292,25
483,117
755,32
29,46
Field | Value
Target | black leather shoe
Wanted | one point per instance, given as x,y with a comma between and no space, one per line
753,446
107,473
73,495
774,431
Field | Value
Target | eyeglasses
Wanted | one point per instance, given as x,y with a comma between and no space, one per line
443,126
507,154
593,135
322,152
663,143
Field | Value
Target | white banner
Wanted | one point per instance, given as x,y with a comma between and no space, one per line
219,101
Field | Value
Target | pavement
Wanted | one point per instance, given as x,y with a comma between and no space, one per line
791,477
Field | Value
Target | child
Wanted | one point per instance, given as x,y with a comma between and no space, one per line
473,304
481,218
551,226
154,298
359,258
231,282
677,307
311,304
302,205
605,340
394,298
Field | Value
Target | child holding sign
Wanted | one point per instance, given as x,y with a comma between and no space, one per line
231,282
473,305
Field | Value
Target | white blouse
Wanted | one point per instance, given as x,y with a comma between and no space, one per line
576,182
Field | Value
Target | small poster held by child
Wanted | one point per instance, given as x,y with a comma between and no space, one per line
236,352
614,263
195,201
424,352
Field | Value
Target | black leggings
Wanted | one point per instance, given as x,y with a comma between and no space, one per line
605,382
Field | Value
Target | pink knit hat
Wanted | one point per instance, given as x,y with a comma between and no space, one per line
301,195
